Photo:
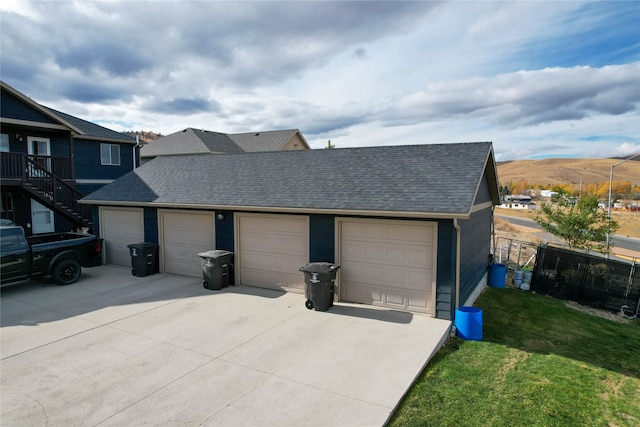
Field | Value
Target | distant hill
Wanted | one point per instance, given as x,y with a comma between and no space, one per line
567,171
143,136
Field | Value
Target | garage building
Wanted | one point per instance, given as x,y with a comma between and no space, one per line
410,226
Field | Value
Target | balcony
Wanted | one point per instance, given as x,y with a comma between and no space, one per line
44,178
14,167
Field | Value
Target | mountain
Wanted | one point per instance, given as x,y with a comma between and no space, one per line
144,136
549,172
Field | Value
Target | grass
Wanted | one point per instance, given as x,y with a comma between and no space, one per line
540,363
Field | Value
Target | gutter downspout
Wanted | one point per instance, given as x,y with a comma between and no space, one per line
457,227
134,150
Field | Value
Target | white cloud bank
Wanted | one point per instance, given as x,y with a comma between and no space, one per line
539,79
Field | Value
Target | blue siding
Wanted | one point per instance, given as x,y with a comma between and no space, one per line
150,216
87,161
224,231
484,195
95,217
475,248
322,238
15,108
446,270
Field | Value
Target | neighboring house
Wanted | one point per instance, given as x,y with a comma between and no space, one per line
49,160
410,226
195,141
628,205
522,202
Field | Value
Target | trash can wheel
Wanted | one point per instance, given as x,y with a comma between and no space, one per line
133,271
309,304
205,284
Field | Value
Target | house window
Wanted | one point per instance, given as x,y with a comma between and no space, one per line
4,143
110,154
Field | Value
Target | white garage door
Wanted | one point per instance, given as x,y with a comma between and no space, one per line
184,234
120,227
388,263
271,249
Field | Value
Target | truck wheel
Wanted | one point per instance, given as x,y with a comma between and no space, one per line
66,272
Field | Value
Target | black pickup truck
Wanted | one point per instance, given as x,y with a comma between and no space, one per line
61,255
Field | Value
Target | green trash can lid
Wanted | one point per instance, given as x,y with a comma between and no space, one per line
214,253
319,267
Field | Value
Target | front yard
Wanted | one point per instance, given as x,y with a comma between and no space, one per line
541,363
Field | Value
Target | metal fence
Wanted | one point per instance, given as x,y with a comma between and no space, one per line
588,279
519,257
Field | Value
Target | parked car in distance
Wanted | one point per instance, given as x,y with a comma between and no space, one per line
60,255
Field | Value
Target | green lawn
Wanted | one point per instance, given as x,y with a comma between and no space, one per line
540,363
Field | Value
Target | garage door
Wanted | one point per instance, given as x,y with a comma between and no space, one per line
388,263
120,227
271,249
184,234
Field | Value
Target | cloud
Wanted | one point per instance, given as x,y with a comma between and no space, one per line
185,106
523,98
530,76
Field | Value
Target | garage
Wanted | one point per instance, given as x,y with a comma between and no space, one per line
271,249
120,227
388,263
184,234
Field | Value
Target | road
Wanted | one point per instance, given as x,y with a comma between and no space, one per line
622,242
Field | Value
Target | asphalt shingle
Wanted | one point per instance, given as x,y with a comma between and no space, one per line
92,130
429,179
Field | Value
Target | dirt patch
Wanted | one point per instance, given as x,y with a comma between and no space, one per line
616,317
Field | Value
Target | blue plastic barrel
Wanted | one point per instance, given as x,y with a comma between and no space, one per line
497,275
469,323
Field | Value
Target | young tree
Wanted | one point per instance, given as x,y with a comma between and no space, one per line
581,225
330,146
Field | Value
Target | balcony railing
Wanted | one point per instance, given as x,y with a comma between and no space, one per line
34,175
12,166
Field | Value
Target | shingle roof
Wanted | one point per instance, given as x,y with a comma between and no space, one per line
272,140
195,141
191,141
438,179
92,130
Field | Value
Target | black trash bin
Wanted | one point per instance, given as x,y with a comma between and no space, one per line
143,258
319,279
216,266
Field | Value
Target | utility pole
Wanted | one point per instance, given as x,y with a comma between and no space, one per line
610,187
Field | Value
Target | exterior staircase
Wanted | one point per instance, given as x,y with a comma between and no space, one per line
45,187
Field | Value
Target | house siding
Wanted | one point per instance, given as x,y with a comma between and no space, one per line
15,108
150,217
87,163
446,270
484,194
322,245
225,231
58,140
295,143
475,248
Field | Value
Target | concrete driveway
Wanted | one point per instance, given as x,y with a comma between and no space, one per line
114,349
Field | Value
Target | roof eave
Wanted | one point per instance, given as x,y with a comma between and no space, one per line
279,209
107,139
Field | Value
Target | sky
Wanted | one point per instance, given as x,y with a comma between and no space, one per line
540,79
